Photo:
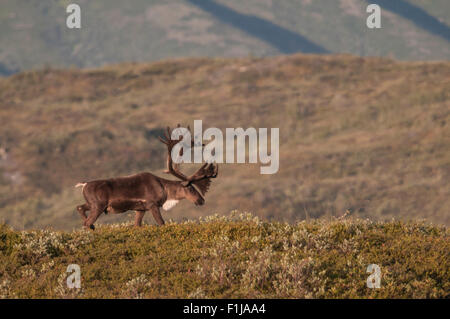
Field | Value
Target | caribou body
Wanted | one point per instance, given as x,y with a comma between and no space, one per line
145,191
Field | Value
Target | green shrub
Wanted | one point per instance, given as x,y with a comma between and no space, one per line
235,256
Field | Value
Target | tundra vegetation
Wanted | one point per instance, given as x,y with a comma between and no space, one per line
233,256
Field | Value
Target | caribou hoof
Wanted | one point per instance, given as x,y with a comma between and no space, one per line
90,227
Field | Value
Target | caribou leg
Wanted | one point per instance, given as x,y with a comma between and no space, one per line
82,210
157,215
95,213
138,218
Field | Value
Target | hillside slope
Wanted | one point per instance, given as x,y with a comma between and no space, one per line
238,256
368,135
34,33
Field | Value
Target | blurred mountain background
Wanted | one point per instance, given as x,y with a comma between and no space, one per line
370,135
33,33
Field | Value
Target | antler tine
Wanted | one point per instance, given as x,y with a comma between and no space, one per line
204,172
216,171
171,167
162,140
167,139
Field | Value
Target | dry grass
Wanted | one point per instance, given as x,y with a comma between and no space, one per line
368,135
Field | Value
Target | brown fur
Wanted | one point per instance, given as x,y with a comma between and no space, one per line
140,192
123,205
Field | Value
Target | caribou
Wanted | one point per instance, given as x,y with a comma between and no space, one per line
144,191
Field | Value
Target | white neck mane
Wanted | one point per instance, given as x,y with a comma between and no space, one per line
169,204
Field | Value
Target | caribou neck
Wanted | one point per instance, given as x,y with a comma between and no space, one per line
173,189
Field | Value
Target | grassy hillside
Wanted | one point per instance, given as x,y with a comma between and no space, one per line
238,256
368,135
34,33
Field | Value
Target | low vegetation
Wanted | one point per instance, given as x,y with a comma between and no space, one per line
235,256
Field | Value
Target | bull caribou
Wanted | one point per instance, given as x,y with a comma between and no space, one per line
145,191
